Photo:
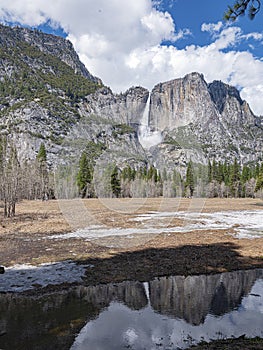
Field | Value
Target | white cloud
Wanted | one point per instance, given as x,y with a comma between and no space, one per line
211,27
122,44
228,37
254,95
159,25
255,36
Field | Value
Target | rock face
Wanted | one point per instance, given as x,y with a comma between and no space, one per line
180,102
204,120
48,44
47,95
126,108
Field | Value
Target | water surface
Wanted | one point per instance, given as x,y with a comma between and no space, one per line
165,313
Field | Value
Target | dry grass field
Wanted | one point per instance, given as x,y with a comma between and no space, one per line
26,238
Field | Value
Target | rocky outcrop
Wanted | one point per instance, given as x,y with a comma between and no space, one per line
205,121
47,95
126,108
181,102
46,43
221,93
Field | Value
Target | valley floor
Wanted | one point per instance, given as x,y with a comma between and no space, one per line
136,239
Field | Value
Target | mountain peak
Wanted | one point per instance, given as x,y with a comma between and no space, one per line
219,93
194,76
47,43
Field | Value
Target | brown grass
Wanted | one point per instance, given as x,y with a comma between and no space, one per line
24,238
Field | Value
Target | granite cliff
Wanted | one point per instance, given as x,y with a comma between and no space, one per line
204,121
47,95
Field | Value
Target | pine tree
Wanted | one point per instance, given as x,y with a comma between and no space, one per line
115,182
226,173
235,179
220,172
259,183
240,7
209,171
42,153
156,176
246,175
150,173
84,176
43,171
214,170
257,171
189,183
128,173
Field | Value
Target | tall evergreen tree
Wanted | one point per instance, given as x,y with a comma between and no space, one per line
245,174
84,175
43,171
42,153
259,183
220,172
189,183
235,179
209,171
226,173
115,182
214,170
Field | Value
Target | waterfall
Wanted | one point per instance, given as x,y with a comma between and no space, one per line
148,138
144,127
147,291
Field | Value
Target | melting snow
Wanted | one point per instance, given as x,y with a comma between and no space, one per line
246,224
19,278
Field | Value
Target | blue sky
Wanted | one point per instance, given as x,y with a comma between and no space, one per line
207,11
143,42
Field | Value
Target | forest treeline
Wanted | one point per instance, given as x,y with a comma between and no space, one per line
216,179
34,180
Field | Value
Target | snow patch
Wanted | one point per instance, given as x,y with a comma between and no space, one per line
246,223
20,278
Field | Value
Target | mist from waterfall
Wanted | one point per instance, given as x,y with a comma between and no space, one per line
148,138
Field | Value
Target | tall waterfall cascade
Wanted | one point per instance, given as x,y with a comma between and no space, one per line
148,138
147,291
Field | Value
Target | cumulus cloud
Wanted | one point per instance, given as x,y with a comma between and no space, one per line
123,45
211,27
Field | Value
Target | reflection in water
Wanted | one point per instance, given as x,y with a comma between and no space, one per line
165,313
192,298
